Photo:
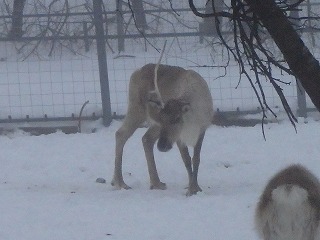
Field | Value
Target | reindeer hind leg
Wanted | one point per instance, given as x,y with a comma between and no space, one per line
131,122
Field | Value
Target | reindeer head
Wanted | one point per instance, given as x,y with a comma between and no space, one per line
169,115
170,119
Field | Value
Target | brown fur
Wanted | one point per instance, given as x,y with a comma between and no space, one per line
187,107
292,183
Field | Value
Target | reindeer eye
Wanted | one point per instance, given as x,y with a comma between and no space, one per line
176,120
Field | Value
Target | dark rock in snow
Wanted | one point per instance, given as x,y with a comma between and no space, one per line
101,180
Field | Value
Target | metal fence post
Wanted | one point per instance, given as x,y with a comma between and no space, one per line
102,59
302,103
85,34
120,25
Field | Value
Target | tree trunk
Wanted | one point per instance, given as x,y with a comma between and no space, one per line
17,19
301,62
140,16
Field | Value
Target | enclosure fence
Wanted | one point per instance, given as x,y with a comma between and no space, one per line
87,63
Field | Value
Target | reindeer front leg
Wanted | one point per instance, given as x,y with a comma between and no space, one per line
186,159
192,168
193,185
148,140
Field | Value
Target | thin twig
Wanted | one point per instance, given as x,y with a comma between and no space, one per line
80,114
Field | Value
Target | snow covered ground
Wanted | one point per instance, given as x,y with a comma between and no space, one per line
48,183
49,191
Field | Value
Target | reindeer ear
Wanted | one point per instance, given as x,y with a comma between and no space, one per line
154,104
154,100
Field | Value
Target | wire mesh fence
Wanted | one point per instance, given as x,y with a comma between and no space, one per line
48,88
43,84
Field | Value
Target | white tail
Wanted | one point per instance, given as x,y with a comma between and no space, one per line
178,106
289,207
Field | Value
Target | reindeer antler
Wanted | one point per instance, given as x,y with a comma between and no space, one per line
156,88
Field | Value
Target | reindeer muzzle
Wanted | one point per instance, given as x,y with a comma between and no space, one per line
164,145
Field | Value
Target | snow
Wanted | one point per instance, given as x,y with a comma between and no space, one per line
49,190
48,182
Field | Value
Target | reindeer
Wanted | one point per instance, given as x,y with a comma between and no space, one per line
177,104
289,207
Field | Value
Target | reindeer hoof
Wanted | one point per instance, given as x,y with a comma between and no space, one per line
160,185
193,191
119,185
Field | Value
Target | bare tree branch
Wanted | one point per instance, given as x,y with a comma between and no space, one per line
249,51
